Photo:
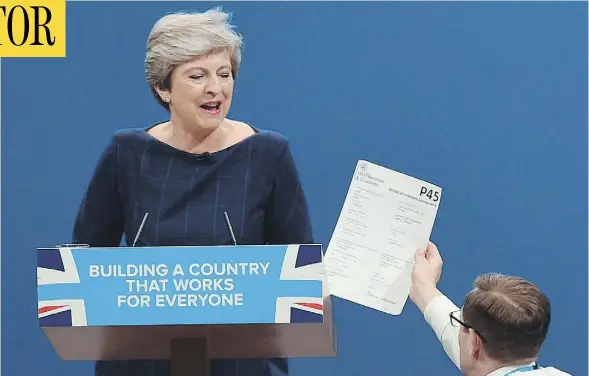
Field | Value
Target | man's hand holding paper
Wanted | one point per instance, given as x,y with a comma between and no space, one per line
386,216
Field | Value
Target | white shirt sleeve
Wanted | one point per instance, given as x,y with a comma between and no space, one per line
437,315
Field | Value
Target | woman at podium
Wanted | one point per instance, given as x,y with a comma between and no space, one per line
199,178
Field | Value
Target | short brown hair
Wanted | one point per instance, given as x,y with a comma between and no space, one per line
178,38
510,314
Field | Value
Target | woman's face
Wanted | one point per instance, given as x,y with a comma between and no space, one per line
201,91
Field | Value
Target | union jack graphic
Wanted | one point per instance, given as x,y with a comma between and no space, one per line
57,266
299,297
302,262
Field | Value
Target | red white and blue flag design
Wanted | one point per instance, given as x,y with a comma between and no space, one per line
301,262
57,266
291,290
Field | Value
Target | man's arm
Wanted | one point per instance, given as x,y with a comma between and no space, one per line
437,315
436,307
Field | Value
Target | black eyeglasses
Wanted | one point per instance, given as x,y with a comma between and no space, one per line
456,321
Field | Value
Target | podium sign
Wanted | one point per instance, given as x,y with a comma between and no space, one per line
247,301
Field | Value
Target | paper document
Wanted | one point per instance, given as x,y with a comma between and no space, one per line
386,216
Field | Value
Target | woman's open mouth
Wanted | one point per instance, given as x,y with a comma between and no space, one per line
213,108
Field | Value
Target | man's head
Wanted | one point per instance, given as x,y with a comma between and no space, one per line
504,320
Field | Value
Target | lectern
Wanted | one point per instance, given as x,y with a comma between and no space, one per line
187,304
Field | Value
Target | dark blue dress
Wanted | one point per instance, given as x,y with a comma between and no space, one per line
255,182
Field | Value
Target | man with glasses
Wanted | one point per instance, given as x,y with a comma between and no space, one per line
498,331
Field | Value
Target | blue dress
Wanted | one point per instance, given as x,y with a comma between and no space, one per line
255,182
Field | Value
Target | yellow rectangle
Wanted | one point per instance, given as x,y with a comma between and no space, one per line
32,28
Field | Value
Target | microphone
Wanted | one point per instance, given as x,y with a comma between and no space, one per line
140,229
230,228
206,156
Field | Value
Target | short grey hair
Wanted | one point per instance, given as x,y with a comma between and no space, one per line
181,37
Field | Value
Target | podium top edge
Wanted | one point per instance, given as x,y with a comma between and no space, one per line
76,246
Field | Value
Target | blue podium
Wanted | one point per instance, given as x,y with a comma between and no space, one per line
186,303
